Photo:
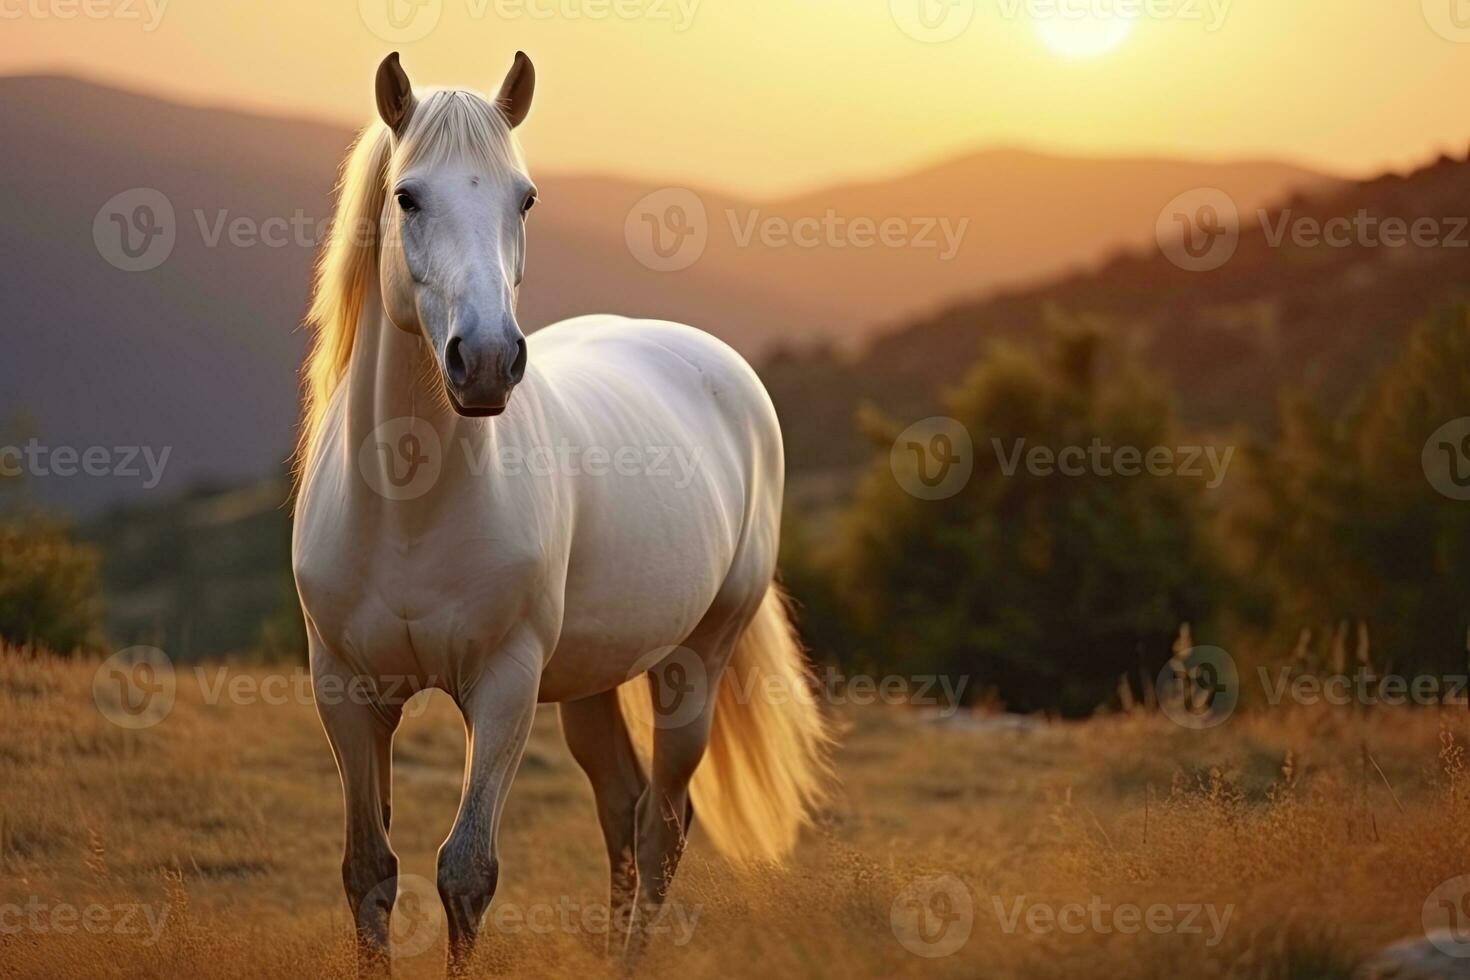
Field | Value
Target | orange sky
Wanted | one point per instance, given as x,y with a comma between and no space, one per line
769,96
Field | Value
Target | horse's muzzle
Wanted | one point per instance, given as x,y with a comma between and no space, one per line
479,383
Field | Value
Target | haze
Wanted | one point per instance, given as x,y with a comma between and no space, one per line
778,97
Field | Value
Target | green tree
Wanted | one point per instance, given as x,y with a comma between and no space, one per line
1044,588
48,587
1347,525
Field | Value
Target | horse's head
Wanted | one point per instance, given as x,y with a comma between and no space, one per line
454,230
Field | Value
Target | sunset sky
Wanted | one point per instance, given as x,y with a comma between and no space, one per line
782,95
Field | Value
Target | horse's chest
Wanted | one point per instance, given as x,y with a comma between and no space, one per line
389,600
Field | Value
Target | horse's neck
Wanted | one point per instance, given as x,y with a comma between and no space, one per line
390,391
386,374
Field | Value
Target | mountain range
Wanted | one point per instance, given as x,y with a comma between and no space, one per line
198,355
1316,298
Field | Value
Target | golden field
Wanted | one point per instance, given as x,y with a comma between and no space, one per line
209,844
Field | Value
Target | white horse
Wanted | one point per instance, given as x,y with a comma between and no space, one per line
541,547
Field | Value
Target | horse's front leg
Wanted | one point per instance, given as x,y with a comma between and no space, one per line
361,734
498,710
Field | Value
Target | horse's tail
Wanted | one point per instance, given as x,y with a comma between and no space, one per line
767,765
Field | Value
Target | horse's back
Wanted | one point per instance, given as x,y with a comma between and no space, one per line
685,504
642,349
663,380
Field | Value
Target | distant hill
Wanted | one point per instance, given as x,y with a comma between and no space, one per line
205,574
1314,318
1031,217
199,355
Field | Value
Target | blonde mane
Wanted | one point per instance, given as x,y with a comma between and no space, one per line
446,125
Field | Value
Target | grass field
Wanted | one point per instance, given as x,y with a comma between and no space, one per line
209,845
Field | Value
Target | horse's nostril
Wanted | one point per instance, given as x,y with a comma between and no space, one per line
454,365
518,366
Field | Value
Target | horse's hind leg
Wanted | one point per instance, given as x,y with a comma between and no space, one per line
597,734
684,688
498,714
361,735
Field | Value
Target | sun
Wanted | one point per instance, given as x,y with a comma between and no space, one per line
1080,35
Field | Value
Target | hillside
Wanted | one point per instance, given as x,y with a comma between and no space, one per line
219,831
1278,315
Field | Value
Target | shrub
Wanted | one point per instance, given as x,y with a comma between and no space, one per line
1044,588
48,587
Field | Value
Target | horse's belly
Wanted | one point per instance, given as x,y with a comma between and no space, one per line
625,613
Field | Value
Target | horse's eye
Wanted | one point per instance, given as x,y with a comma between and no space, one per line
528,203
406,201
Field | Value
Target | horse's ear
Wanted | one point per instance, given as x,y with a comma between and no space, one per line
395,94
515,92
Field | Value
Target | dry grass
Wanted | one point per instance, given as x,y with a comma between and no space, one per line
225,820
